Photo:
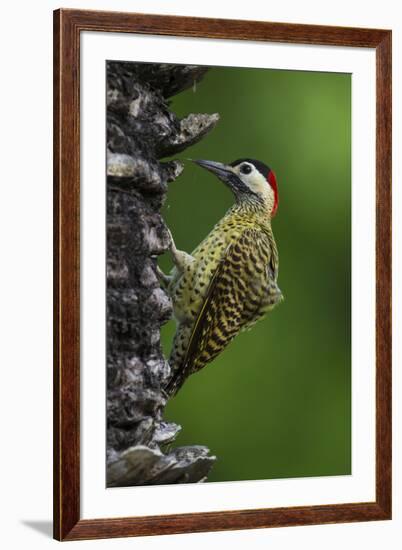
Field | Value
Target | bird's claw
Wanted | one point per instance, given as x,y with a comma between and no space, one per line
163,278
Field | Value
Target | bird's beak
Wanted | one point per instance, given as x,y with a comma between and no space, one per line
222,171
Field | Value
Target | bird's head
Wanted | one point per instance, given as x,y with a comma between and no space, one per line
249,179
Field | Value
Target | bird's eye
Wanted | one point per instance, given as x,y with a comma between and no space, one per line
245,169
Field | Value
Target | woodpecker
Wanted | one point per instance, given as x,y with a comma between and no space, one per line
229,281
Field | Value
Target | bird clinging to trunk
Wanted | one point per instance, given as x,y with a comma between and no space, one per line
230,280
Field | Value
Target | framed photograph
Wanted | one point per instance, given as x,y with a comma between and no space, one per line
222,274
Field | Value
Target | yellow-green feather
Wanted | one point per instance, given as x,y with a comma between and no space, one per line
229,286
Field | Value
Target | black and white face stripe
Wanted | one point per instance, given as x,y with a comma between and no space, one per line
260,166
249,180
259,180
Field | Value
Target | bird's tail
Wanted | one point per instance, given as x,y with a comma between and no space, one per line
176,359
174,384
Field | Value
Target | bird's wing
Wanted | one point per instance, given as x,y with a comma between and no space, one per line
233,298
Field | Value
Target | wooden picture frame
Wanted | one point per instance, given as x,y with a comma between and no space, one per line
68,24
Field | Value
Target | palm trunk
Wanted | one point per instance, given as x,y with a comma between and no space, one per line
141,130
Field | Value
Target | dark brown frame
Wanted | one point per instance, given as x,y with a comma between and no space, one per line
68,25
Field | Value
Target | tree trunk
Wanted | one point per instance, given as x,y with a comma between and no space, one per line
141,130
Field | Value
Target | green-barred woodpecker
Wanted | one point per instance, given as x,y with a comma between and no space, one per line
230,280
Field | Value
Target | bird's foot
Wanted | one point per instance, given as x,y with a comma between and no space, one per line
181,259
163,278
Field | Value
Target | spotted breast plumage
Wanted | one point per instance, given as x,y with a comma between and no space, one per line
229,281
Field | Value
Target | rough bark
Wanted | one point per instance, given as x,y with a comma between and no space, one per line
141,129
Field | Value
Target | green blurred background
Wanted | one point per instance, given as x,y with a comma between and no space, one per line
277,402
